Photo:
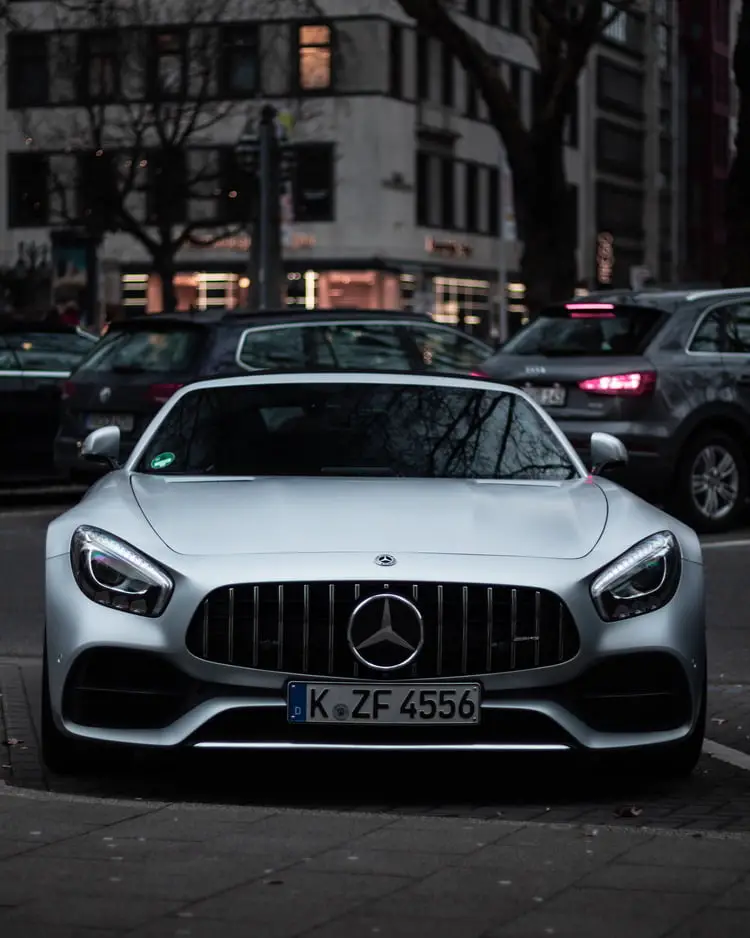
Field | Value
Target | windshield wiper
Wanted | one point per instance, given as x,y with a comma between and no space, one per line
382,471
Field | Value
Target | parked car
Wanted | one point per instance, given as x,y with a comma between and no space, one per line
371,562
35,358
666,372
140,363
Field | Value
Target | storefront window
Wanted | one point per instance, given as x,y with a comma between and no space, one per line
358,290
463,303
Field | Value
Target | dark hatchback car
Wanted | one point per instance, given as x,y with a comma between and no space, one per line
667,372
140,363
35,359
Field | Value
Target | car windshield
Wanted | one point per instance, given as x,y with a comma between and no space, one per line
356,429
587,329
145,350
48,351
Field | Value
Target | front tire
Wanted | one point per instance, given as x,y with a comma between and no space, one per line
712,482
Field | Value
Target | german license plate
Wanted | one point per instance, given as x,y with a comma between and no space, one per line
548,397
383,703
124,422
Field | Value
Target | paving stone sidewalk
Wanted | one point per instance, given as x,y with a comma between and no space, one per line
74,867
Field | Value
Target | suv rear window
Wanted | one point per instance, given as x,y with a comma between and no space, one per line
587,329
156,350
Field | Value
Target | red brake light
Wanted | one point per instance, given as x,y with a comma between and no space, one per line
159,393
68,390
478,374
590,310
589,306
629,385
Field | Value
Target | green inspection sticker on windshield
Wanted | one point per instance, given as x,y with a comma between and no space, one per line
163,460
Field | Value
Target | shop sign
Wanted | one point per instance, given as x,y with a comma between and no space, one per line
449,248
243,243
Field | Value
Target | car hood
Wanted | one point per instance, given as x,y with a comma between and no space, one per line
274,515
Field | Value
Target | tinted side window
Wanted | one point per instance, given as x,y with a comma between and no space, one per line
155,350
53,351
445,350
7,359
738,328
708,335
272,348
368,346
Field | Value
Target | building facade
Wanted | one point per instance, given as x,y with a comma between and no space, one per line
398,197
706,47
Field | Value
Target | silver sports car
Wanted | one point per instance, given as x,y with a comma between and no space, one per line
369,561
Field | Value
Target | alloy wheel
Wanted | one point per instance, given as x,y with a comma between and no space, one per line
714,482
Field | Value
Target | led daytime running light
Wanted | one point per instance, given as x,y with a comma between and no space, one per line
653,548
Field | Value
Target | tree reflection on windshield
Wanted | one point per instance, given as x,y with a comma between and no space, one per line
350,429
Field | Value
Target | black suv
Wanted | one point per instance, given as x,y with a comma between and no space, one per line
141,362
667,372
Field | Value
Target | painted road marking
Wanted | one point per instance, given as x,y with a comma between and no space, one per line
740,760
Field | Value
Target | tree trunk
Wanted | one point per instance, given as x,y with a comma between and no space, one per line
546,217
164,267
737,269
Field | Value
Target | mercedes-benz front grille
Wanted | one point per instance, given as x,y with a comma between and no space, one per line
302,628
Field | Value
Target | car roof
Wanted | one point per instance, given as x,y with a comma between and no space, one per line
654,296
271,317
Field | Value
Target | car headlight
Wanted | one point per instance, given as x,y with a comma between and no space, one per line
114,574
643,579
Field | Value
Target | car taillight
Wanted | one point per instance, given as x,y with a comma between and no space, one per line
68,390
628,385
159,393
478,374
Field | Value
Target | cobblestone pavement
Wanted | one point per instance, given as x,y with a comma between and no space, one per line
550,789
71,867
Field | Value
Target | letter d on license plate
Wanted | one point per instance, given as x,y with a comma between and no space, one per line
383,703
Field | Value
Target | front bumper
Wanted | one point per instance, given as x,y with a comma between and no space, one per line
119,678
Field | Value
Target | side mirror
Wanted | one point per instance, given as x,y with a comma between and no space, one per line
606,452
103,446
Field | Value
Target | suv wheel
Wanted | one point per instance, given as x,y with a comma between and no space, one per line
712,482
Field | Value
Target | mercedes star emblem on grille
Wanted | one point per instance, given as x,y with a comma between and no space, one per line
385,560
386,632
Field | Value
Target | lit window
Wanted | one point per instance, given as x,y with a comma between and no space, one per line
315,58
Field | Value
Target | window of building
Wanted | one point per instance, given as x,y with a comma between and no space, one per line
236,197
514,15
721,141
516,86
493,12
169,64
721,79
239,73
619,148
459,299
423,67
28,190
572,125
423,188
96,188
721,20
396,61
494,202
472,8
447,77
447,193
28,70
619,210
472,98
315,61
167,186
314,182
101,65
619,88
471,211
